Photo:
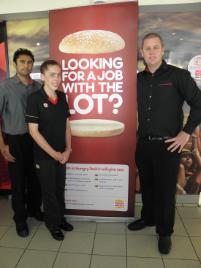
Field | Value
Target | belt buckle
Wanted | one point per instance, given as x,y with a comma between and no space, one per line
149,138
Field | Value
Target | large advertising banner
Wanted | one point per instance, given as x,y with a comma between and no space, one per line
97,46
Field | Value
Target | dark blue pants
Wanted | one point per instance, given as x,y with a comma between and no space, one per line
158,171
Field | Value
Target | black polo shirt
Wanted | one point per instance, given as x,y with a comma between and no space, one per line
51,119
160,100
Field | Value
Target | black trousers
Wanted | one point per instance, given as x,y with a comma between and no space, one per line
158,171
52,178
26,191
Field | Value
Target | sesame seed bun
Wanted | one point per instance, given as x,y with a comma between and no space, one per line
91,42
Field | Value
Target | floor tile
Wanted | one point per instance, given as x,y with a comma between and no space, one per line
76,242
6,216
67,260
107,244
142,246
39,259
84,226
193,226
108,262
43,240
3,230
197,245
111,228
179,228
144,262
33,223
11,239
190,212
9,257
181,249
181,264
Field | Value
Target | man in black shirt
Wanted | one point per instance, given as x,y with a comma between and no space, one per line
162,90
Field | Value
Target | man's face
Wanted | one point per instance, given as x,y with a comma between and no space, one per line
152,52
52,77
24,65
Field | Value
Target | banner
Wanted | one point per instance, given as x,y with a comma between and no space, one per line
96,47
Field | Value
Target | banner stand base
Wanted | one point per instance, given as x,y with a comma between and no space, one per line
99,219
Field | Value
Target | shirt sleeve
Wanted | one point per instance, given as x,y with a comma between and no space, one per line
192,96
66,104
3,98
32,111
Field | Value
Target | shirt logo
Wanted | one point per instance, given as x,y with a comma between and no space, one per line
37,166
166,84
45,105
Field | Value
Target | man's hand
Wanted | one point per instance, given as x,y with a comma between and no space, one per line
178,142
57,156
6,154
65,155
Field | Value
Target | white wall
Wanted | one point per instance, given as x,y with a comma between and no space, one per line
22,6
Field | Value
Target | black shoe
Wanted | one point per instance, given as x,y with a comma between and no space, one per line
137,225
22,229
38,215
57,234
164,244
66,226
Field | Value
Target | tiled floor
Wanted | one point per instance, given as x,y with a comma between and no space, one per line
100,245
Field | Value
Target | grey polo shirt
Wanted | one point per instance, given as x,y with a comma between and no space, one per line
13,102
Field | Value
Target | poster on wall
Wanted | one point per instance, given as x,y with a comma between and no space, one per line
4,178
181,32
97,53
31,34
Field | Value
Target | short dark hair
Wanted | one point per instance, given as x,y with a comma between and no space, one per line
22,51
150,35
45,64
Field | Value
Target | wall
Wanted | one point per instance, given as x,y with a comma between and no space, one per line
21,6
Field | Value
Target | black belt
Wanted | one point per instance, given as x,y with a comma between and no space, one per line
155,138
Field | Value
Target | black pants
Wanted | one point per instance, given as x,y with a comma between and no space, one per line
158,171
26,191
52,178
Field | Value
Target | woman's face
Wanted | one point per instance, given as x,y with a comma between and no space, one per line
186,160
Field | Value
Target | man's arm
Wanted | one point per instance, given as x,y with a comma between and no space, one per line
192,95
5,149
41,141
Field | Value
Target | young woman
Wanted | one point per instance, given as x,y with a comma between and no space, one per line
47,117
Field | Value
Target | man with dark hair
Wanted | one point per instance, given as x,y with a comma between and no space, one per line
17,147
162,90
48,119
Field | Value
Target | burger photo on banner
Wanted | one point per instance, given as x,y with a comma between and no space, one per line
97,53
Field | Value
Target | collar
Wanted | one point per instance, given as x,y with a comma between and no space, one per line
44,94
18,81
162,68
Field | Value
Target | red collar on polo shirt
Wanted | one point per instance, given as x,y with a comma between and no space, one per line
30,81
53,101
